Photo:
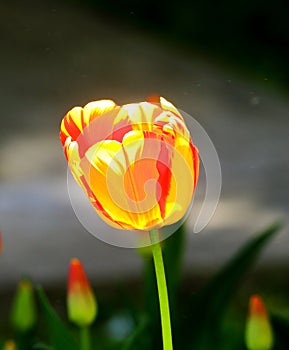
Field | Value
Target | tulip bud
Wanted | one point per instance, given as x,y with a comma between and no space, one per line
9,345
23,314
258,334
81,303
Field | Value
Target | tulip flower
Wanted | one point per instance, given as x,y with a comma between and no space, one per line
136,163
258,334
23,313
138,167
81,303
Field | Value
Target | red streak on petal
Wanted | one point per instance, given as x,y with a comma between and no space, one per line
71,127
100,129
83,124
120,132
62,137
196,163
163,166
83,143
65,153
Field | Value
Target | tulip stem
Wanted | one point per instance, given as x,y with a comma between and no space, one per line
85,338
162,290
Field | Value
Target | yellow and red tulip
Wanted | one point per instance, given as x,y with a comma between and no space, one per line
136,163
81,303
23,313
258,334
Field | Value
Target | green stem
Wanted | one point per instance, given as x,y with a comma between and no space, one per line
85,338
162,290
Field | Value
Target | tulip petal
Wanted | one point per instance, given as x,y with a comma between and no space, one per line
121,177
71,125
168,106
182,183
98,160
141,116
76,120
74,161
95,109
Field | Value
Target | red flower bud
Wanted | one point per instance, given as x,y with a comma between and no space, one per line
258,334
81,303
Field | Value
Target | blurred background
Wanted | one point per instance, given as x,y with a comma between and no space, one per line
225,63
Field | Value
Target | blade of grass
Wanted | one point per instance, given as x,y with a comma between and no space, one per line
207,307
59,335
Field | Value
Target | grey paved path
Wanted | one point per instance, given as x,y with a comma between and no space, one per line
55,56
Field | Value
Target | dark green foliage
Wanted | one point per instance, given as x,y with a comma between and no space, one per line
138,339
281,330
42,346
173,259
200,322
198,326
207,307
59,336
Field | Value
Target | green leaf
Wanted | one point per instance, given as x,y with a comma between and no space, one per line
59,335
207,307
